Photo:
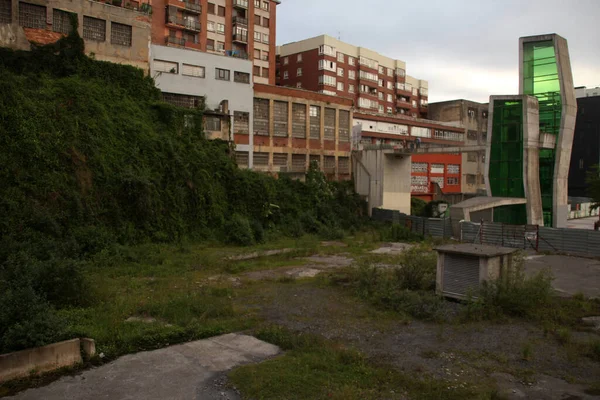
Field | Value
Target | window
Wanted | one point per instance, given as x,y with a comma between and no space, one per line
221,28
299,72
340,86
120,34
471,179
340,72
419,131
352,74
265,72
286,60
400,72
256,70
389,98
286,75
61,21
472,157
210,26
241,77
265,55
256,19
380,95
390,85
368,76
257,3
381,83
192,70
327,80
419,167
221,11
453,169
265,37
314,111
327,65
329,92
257,36
5,11
340,57
265,5
327,50
211,8
351,61
367,103
299,85
299,58
212,123
484,114
222,74
32,16
220,46
452,181
380,109
368,62
472,113
351,88
265,22
389,110
381,70
257,54
390,72
414,103
210,44
94,29
472,135
423,91
168,67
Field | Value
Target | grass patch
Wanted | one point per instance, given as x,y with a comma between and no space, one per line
314,368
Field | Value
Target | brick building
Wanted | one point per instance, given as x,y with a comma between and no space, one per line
292,128
401,132
474,117
237,28
112,33
375,82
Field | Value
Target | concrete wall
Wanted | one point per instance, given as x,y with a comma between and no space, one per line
40,359
16,37
239,95
384,178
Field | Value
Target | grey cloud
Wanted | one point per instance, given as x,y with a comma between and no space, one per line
472,35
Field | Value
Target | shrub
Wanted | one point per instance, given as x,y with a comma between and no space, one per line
238,231
399,233
417,269
258,231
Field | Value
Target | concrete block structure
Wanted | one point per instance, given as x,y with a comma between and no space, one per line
243,29
111,33
376,83
292,128
474,117
545,73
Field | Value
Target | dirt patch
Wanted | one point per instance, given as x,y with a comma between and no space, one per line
334,244
466,354
258,254
392,248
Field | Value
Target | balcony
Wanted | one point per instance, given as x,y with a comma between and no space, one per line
240,21
188,24
243,4
237,54
193,7
175,41
240,38
403,104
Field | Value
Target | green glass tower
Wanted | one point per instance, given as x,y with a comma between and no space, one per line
529,149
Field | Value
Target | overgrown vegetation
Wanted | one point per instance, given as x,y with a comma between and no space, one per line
314,368
93,159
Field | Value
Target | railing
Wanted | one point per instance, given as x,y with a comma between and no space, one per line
240,21
175,40
187,23
240,38
192,6
237,54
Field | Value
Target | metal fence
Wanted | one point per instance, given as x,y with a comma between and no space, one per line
435,227
562,240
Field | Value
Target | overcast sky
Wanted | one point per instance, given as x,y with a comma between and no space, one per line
464,48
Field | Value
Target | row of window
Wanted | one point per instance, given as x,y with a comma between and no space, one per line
264,4
265,21
419,183
299,162
472,157
34,16
258,71
220,10
435,168
198,71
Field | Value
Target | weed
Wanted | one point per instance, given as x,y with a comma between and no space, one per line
594,350
527,351
563,335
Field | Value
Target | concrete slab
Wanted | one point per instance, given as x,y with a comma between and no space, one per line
571,274
187,371
582,223
392,248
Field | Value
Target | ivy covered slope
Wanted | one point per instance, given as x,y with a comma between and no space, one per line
91,157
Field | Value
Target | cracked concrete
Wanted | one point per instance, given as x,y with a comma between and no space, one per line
193,370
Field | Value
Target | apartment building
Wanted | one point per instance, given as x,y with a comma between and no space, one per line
474,117
243,29
376,83
292,128
110,32
376,131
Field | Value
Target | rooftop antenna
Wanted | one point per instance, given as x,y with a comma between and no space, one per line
339,35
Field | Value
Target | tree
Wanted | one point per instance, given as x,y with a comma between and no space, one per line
593,182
